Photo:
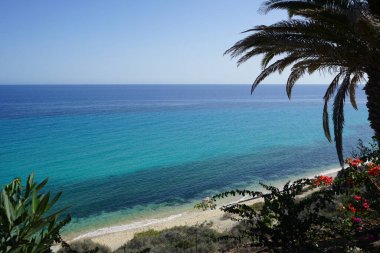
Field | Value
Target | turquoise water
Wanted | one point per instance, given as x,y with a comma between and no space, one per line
118,152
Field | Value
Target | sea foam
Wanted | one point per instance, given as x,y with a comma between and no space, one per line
121,228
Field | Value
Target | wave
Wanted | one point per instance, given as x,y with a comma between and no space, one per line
121,228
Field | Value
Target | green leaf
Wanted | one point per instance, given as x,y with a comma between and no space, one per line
42,184
34,201
9,210
54,200
25,225
42,205
29,185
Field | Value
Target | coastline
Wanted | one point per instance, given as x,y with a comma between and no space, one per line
116,236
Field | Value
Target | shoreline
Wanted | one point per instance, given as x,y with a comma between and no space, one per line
117,235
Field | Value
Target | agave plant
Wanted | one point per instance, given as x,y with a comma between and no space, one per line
27,223
341,37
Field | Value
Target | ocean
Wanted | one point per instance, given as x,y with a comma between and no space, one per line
121,153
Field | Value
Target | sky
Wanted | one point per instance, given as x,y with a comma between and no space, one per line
129,42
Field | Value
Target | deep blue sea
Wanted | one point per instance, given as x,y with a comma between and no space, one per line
122,151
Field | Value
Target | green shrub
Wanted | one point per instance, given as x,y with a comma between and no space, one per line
282,223
258,206
343,215
148,233
178,239
27,223
85,246
358,186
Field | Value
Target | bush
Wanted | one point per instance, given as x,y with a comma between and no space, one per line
283,223
85,246
27,223
343,216
178,239
148,233
358,218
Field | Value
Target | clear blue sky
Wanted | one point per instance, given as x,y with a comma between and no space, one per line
128,42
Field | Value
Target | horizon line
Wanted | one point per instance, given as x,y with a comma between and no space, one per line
152,84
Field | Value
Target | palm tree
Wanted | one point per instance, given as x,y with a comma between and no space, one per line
341,37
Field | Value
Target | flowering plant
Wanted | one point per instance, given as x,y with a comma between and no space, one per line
322,181
358,209
374,171
354,162
345,209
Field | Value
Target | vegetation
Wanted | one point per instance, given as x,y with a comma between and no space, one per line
178,239
284,223
338,36
85,246
343,215
27,223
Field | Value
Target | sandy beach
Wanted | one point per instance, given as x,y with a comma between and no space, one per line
190,218
116,236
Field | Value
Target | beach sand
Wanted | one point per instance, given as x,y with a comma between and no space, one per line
116,236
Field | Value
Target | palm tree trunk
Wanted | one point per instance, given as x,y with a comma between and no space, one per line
372,89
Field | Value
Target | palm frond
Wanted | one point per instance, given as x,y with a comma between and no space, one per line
290,6
292,79
267,58
338,116
352,89
277,66
329,93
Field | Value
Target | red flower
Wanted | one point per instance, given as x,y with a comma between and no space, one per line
371,165
323,181
351,208
356,219
354,162
374,171
365,205
357,198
